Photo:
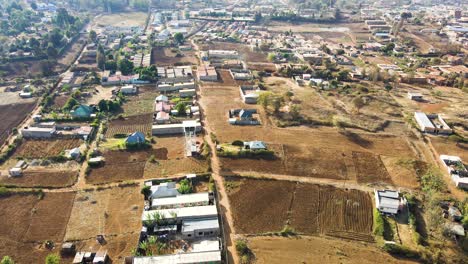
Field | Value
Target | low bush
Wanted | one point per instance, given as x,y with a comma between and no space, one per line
399,250
379,224
238,143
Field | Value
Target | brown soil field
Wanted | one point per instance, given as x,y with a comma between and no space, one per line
143,103
307,208
400,175
60,101
268,213
121,165
165,57
245,51
304,249
28,221
42,178
225,79
446,147
31,149
173,160
11,116
141,123
261,66
71,54
114,212
369,167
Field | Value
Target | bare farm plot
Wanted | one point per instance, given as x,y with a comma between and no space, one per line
114,212
370,167
31,149
278,250
127,125
28,221
166,57
120,166
8,98
11,116
307,208
171,159
128,19
42,178
245,51
143,103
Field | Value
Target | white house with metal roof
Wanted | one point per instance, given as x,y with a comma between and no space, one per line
206,257
181,214
196,228
388,201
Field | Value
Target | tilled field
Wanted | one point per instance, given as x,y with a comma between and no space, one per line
141,123
11,116
42,178
31,149
370,168
120,166
28,221
308,208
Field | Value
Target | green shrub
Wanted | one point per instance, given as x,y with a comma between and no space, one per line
379,223
52,259
241,247
146,191
433,181
238,143
4,191
7,260
288,231
399,250
120,135
185,186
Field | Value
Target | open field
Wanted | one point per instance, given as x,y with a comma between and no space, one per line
8,98
172,160
114,212
245,51
163,56
28,221
127,125
11,116
120,166
42,178
127,19
32,149
307,208
143,103
307,249
446,147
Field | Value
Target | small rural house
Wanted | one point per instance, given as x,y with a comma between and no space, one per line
161,98
197,228
415,96
178,215
249,93
165,189
129,89
73,153
96,160
38,132
432,123
82,111
162,117
179,201
456,170
135,138
255,145
388,201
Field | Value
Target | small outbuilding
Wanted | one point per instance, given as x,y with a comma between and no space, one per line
135,138
255,145
389,202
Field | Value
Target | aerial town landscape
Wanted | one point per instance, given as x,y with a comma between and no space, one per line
247,131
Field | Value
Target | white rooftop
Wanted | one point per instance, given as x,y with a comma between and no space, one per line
182,258
197,224
181,199
185,212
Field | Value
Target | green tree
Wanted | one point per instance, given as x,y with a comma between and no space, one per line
180,107
185,186
100,57
125,66
146,191
72,102
358,103
51,52
52,259
7,260
179,38
33,5
92,36
55,37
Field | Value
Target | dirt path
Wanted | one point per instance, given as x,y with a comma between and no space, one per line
219,180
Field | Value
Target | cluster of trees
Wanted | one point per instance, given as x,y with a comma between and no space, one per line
50,259
271,100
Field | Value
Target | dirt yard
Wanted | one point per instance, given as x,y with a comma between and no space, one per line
32,149
27,221
127,125
42,178
162,56
245,51
115,213
143,103
307,208
127,19
11,116
306,249
8,98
